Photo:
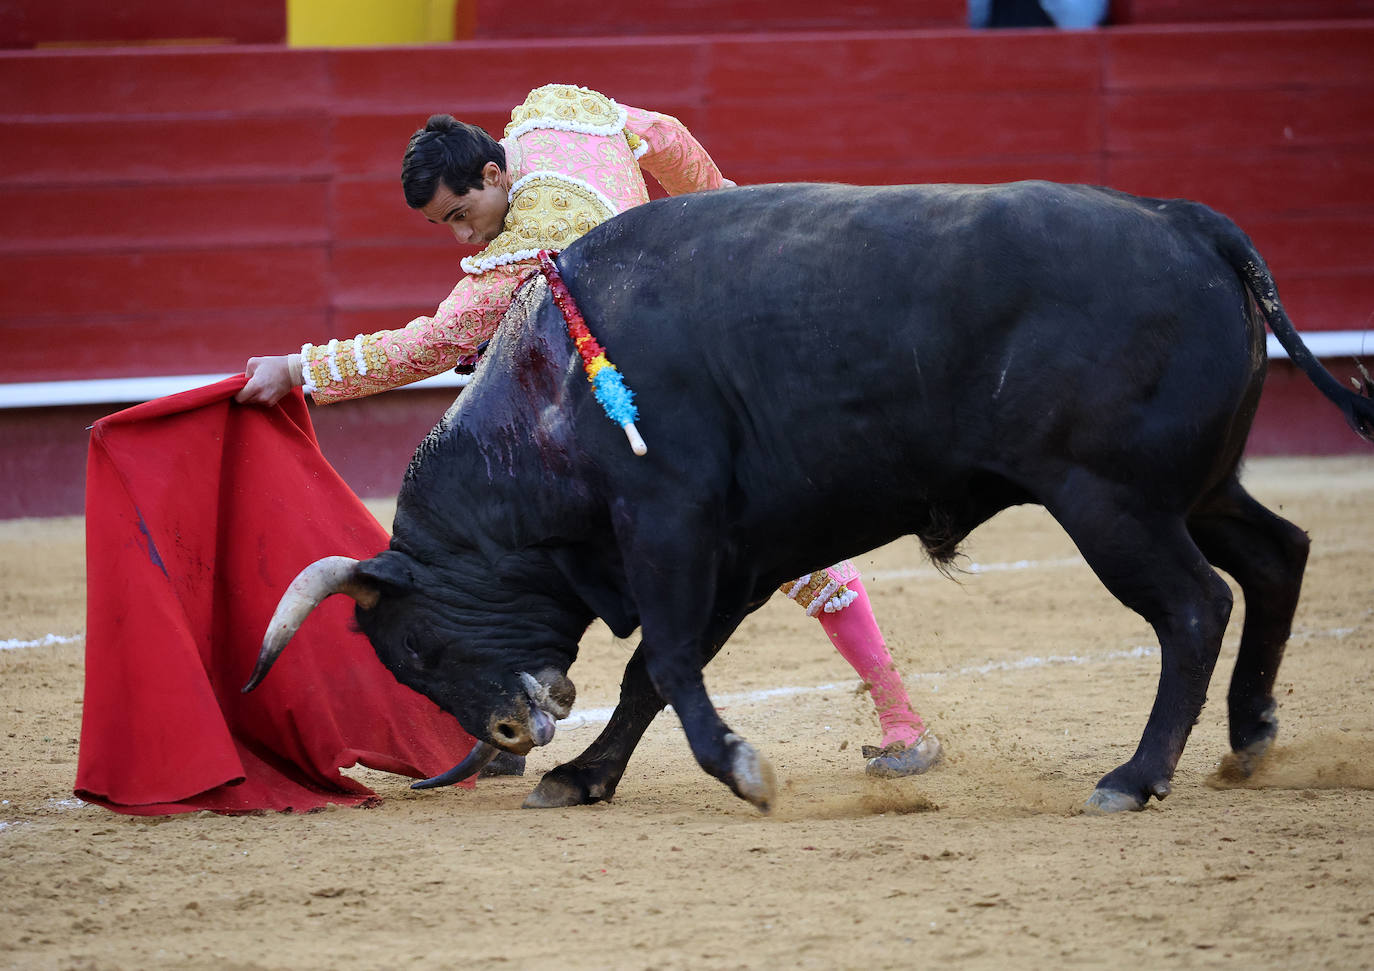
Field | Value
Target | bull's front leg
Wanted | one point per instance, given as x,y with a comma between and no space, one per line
594,775
686,612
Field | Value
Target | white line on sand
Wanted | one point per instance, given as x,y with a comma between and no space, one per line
598,716
50,639
930,571
47,640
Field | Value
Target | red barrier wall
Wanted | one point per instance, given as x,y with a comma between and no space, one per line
497,19
30,23
172,211
1231,11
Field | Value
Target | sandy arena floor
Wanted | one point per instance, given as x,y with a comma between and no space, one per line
1035,678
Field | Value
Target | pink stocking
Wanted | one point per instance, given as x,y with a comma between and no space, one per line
855,634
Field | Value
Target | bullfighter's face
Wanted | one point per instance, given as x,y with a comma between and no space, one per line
477,216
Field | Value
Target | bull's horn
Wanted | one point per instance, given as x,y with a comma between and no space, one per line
481,754
333,574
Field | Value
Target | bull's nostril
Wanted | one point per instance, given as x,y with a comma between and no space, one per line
507,731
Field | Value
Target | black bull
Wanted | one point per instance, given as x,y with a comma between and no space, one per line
820,370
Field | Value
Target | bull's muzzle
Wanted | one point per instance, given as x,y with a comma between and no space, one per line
526,720
528,723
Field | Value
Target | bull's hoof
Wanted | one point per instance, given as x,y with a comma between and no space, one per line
1249,758
568,785
1240,765
553,793
1244,758
1104,802
751,775
900,760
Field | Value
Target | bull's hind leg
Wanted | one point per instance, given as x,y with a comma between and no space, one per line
1266,555
1150,563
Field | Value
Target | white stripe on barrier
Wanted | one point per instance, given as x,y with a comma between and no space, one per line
115,391
129,391
1328,343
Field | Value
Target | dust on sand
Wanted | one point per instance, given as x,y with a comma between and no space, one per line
1036,680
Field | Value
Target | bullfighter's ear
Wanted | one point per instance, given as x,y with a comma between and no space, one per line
389,569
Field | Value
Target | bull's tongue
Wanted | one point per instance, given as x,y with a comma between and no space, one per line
541,726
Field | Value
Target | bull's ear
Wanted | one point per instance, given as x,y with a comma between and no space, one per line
390,569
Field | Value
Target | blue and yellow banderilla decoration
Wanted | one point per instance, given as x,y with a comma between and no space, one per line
608,385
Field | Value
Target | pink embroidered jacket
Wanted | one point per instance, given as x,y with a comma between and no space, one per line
574,157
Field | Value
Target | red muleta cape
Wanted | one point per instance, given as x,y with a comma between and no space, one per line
199,513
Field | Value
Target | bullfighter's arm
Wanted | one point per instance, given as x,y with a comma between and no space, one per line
674,157
345,369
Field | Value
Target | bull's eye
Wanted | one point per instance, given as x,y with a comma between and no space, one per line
411,648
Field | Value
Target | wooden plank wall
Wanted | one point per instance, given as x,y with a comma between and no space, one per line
1232,11
171,211
494,19
33,23
174,210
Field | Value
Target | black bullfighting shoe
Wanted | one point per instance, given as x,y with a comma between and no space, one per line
504,764
900,759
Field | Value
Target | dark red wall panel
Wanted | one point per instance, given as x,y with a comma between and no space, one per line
171,211
902,171
389,275
372,209
1318,243
1230,56
1013,125
154,281
26,23
544,18
203,340
1224,11
1216,122
121,217
1248,184
1331,301
493,77
847,70
1294,419
194,149
225,82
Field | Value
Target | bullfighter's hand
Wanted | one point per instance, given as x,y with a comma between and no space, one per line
269,379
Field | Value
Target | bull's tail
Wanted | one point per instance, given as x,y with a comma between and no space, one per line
1357,406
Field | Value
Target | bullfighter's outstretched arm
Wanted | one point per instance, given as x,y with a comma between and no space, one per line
366,364
356,367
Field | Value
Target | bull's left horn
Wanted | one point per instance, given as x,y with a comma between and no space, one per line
481,754
331,575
